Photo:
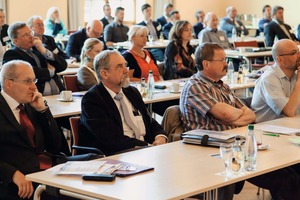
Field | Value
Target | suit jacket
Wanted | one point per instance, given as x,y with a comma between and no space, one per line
85,78
101,123
41,73
75,43
156,25
273,29
4,36
197,28
166,29
16,151
50,44
104,22
227,25
162,20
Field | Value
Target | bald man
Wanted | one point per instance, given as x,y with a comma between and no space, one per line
93,29
277,92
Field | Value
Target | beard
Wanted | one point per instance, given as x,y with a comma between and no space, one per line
125,81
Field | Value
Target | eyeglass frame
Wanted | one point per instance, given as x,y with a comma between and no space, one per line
26,81
27,34
292,53
222,60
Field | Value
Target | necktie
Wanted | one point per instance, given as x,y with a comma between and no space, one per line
36,59
45,161
128,120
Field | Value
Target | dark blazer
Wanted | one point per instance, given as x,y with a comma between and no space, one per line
16,151
156,25
75,43
227,25
166,29
273,29
104,22
197,28
101,123
4,36
42,74
162,20
50,44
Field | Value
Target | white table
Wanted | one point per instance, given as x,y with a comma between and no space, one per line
181,170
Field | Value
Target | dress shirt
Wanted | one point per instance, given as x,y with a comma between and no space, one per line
152,29
115,32
217,36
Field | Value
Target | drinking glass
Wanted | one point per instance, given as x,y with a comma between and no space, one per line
150,38
226,155
245,68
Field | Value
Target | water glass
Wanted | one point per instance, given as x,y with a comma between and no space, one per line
226,155
150,38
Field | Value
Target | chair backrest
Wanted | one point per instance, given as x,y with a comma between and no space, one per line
74,123
245,44
172,123
247,101
70,82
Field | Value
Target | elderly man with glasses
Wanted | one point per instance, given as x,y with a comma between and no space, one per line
277,92
46,64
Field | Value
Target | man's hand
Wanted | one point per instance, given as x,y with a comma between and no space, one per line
39,45
38,101
159,140
25,187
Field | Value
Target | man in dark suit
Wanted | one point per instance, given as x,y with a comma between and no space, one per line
174,17
277,28
106,123
165,18
93,29
154,31
107,19
4,37
45,63
23,148
230,21
199,14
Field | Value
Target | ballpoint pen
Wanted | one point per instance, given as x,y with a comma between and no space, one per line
271,134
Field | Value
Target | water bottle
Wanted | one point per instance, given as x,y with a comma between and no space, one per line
238,158
150,85
143,87
250,149
233,34
230,72
161,37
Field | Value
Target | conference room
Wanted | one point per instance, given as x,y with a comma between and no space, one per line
163,110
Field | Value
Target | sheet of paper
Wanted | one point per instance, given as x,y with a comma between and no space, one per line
277,129
80,167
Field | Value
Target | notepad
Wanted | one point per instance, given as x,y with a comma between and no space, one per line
277,129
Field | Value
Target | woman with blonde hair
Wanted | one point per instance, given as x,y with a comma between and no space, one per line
53,24
86,74
139,60
179,62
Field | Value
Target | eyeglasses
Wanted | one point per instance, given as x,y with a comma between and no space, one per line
96,33
26,81
38,25
31,33
290,54
221,60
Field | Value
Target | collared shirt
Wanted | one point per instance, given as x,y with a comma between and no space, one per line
13,104
115,33
271,94
110,19
127,130
198,96
152,30
217,36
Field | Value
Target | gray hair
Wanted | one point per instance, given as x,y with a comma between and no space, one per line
87,46
30,20
50,12
13,30
102,61
8,70
137,30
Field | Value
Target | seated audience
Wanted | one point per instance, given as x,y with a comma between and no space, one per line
107,19
166,14
199,25
45,63
114,117
277,28
139,60
53,23
179,62
211,32
93,29
207,103
154,31
36,24
3,34
174,17
116,31
267,18
28,131
277,91
230,21
86,74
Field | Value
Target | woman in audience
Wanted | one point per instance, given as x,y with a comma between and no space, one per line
179,62
86,75
139,60
53,24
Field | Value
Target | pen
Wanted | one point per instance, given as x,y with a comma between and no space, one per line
271,134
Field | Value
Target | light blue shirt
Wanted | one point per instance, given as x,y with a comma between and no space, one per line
271,94
217,36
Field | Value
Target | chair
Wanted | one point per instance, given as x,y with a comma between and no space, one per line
74,122
70,82
247,101
172,123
